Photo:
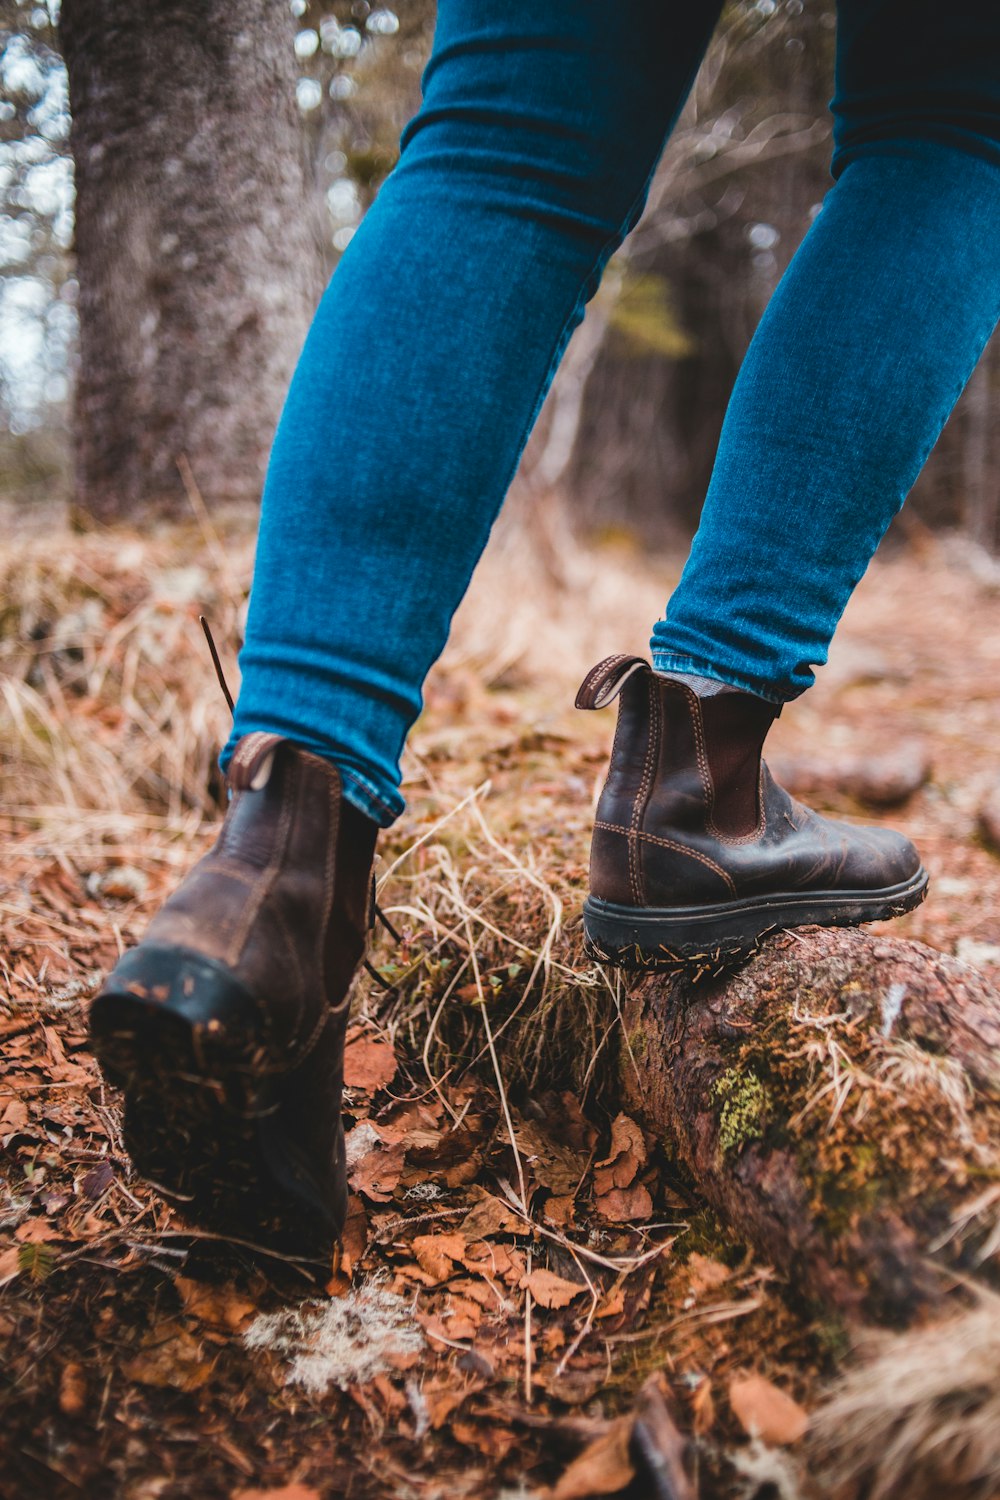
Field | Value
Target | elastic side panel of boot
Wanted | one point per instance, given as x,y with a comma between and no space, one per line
735,725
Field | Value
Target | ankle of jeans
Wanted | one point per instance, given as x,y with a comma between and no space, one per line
672,664
360,794
356,788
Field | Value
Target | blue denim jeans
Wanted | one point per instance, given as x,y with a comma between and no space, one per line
434,345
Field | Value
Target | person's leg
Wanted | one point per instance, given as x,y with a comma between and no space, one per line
856,364
861,354
420,379
431,352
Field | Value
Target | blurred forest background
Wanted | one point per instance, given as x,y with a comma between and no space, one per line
630,429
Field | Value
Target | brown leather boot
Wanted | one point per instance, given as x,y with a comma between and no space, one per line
225,1026
698,854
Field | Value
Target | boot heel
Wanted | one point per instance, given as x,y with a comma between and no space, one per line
207,1120
165,998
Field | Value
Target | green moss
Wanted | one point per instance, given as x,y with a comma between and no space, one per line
745,1101
639,1043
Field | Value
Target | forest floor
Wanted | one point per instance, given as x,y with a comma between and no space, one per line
519,1261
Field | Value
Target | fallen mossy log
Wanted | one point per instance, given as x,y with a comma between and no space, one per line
838,1103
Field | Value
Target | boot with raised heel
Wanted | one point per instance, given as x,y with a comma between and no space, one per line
698,854
225,1027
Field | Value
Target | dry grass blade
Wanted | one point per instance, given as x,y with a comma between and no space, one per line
919,1416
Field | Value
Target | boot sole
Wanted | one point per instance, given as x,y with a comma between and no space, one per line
203,1109
707,940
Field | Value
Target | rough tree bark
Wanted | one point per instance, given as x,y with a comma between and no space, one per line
838,1102
197,254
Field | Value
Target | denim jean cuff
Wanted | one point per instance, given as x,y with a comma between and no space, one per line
359,792
671,661
362,795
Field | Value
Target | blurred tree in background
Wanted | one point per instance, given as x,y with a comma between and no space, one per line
206,138
629,432
37,287
196,251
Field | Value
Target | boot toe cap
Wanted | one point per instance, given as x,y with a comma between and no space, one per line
881,857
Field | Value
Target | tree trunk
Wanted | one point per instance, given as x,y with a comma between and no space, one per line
838,1102
197,256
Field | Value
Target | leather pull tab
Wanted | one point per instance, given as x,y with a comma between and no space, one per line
250,767
604,682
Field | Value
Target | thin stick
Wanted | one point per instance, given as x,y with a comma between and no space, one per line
451,1343
216,663
527,1335
720,1312
610,1262
432,1028
588,1322
389,1230
522,1206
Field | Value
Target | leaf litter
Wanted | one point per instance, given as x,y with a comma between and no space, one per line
518,1255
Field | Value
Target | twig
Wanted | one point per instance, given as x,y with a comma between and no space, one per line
720,1312
216,663
505,1106
298,1261
658,1445
527,1334
589,1321
436,1083
609,1262
452,1343
387,1233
